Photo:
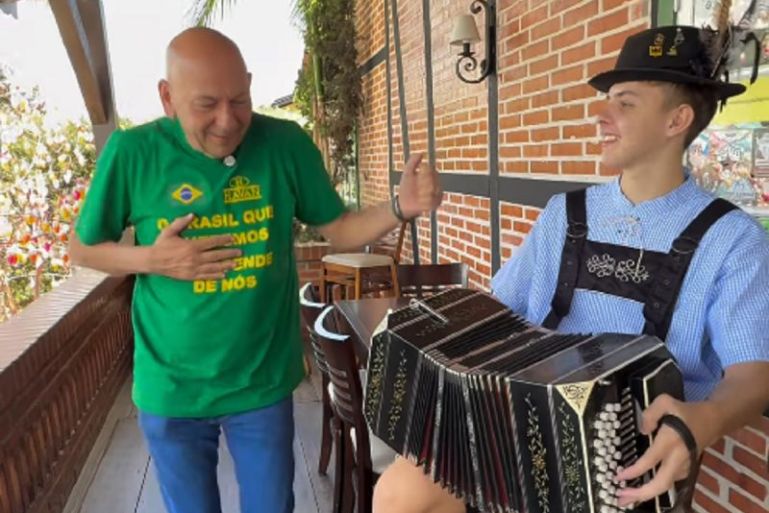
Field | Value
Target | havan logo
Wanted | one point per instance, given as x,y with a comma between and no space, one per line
240,190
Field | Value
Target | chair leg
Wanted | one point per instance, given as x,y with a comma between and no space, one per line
323,285
365,492
339,470
326,441
396,291
357,284
348,500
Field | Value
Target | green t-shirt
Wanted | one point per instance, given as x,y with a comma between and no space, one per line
209,348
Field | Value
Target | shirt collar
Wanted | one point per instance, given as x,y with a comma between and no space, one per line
181,138
659,205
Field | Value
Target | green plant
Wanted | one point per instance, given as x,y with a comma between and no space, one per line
328,87
203,12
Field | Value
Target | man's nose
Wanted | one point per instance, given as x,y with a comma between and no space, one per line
225,117
604,114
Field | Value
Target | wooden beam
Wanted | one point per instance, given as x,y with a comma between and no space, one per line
9,7
82,31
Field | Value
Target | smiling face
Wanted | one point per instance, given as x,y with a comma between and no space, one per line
208,90
638,122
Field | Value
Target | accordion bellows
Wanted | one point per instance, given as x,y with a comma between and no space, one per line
509,416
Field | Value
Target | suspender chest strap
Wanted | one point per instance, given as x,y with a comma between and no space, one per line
670,269
663,295
576,234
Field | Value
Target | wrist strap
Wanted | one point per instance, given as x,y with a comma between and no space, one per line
685,489
396,208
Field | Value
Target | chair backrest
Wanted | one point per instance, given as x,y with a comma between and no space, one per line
347,401
427,279
309,301
342,369
391,244
311,308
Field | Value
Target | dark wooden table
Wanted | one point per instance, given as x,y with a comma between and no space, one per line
364,315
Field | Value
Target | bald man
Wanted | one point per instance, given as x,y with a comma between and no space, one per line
212,191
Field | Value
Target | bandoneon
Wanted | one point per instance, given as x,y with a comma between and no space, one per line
509,416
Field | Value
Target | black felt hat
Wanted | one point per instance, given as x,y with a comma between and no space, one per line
677,54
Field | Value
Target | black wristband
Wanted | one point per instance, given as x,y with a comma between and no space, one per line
396,208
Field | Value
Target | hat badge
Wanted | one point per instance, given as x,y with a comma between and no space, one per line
655,50
677,41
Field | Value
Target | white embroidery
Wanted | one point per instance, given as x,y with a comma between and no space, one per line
601,267
625,271
628,270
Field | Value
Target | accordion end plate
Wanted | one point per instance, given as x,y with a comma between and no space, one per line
576,395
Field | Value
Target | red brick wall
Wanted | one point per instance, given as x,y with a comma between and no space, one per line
734,473
370,29
547,51
308,261
372,138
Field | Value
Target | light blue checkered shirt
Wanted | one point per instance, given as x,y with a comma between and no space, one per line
722,315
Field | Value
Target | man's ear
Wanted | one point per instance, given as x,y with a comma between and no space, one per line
164,90
681,118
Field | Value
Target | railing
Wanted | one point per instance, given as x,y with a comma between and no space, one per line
62,362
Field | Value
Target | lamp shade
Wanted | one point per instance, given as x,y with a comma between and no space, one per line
465,30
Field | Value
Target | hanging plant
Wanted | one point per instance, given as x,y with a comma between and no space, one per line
328,88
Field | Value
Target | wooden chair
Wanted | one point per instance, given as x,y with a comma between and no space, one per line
363,273
427,279
361,457
311,308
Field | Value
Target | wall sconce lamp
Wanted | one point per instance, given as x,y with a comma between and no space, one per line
465,34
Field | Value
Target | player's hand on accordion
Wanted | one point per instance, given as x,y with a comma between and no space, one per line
669,452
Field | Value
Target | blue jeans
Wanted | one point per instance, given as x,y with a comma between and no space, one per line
185,453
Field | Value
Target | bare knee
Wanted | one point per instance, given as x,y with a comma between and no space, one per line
404,488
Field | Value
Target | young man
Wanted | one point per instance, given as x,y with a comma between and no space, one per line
649,252
212,191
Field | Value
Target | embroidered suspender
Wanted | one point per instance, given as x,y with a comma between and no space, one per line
576,234
661,302
663,293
